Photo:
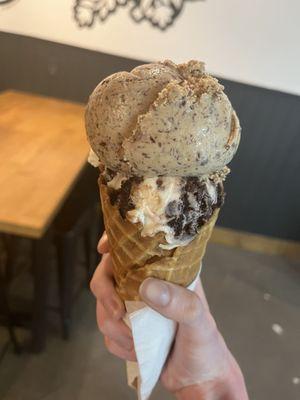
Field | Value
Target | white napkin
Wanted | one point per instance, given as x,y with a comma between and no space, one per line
153,336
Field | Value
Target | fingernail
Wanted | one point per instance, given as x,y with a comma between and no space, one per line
155,291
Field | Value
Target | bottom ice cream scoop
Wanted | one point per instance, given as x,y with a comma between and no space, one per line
136,257
174,206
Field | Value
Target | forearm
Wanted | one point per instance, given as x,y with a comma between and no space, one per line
232,388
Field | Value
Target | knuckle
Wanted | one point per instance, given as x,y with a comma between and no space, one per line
108,344
104,326
96,283
111,347
102,246
94,286
212,330
170,381
192,309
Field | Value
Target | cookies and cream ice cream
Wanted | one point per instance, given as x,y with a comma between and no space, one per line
163,134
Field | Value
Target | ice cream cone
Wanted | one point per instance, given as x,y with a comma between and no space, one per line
136,258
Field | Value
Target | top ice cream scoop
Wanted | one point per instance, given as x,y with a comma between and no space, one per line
162,119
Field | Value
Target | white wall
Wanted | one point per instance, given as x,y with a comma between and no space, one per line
253,41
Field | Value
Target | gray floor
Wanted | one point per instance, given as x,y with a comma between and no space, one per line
248,294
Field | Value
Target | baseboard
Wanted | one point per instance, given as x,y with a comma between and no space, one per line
257,243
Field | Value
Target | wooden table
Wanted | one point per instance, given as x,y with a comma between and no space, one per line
43,150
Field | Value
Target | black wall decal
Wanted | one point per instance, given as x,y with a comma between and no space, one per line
2,2
159,13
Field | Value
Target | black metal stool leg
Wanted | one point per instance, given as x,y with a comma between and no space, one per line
8,318
91,236
90,259
41,267
66,249
4,292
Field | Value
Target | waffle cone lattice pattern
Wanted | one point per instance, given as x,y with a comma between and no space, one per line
136,258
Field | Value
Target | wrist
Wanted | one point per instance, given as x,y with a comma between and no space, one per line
230,387
200,392
194,392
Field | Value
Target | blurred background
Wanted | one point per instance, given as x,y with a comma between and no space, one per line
52,55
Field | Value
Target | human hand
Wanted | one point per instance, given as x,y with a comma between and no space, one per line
110,309
200,366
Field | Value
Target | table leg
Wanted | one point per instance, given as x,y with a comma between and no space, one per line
41,267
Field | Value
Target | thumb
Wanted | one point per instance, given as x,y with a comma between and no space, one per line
172,301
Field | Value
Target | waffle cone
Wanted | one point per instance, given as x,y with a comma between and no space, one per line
136,258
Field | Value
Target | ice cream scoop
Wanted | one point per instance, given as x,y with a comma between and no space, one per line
162,119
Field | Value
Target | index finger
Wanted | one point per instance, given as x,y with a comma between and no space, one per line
103,288
103,246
